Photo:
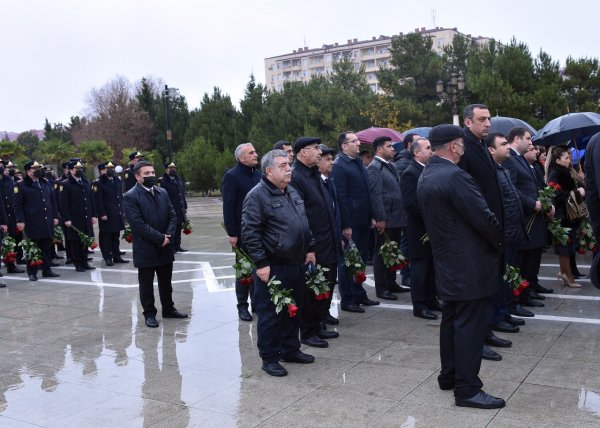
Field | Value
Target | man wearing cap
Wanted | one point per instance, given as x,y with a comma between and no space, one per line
237,182
306,179
36,216
129,176
466,240
8,205
108,200
171,182
286,146
61,179
77,209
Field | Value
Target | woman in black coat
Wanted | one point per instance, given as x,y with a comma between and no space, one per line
559,177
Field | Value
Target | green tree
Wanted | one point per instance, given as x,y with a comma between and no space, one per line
29,140
581,84
54,152
251,105
196,165
93,152
547,98
57,131
11,150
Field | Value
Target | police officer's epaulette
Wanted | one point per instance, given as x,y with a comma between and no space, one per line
159,182
95,185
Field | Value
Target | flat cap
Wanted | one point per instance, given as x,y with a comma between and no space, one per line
445,133
302,142
279,144
326,150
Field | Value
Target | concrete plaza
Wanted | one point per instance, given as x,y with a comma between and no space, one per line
75,353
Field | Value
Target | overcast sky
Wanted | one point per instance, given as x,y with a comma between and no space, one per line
55,51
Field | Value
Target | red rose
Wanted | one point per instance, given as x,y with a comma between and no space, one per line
516,292
551,183
94,246
557,187
292,310
319,297
327,294
581,250
129,238
187,231
360,277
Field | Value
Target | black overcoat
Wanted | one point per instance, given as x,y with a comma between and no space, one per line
352,185
592,182
34,207
76,206
109,202
415,227
176,191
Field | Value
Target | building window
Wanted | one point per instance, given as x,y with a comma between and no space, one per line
383,49
382,63
304,61
440,42
369,64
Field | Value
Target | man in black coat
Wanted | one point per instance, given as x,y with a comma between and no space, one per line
172,183
8,206
276,233
592,195
77,209
422,278
153,220
109,207
36,216
354,200
320,212
129,175
454,212
237,182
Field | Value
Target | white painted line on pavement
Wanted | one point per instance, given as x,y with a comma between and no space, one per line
553,278
572,297
62,281
556,265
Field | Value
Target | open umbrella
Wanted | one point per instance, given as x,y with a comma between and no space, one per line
572,126
423,131
503,125
367,136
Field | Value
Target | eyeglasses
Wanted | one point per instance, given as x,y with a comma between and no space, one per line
356,140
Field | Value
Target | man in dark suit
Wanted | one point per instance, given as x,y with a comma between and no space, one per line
172,183
153,221
592,195
352,185
129,176
386,196
237,182
109,206
422,278
455,211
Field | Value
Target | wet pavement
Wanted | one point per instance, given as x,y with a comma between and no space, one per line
75,352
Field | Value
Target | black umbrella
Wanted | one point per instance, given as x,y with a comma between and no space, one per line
572,126
503,125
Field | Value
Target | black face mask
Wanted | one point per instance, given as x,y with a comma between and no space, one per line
43,174
172,173
79,173
111,172
11,172
37,173
149,181
50,175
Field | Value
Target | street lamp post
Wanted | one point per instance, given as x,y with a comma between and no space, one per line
170,93
454,88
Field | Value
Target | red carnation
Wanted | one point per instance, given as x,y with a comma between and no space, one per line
187,231
292,310
581,250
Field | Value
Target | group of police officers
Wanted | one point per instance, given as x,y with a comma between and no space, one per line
36,203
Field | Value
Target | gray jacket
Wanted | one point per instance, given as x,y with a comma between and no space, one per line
384,185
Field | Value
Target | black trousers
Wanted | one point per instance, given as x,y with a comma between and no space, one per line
278,333
78,252
242,291
67,248
177,236
164,274
45,248
530,267
384,278
462,331
109,244
422,283
324,305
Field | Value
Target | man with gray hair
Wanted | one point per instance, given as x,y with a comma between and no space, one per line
276,233
237,182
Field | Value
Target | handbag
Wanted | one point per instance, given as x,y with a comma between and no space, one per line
576,209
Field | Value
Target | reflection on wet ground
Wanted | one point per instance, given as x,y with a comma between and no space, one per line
75,352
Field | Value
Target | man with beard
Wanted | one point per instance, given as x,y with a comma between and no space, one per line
171,182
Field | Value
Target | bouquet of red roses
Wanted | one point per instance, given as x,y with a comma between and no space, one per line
86,240
354,263
31,252
58,235
243,266
317,283
281,298
585,238
514,279
8,249
128,234
187,227
391,255
546,195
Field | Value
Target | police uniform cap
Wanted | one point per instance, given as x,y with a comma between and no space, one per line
101,166
109,164
10,164
170,165
75,164
445,133
302,142
134,155
326,150
31,164
65,165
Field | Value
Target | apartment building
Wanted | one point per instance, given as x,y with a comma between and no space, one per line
303,64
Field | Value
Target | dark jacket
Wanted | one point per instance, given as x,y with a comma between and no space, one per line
7,207
33,206
319,211
274,226
562,176
415,227
128,179
386,196
352,185
237,182
176,191
466,238
592,182
151,218
402,160
109,202
514,223
77,206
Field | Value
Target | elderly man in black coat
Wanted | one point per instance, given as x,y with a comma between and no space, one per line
463,233
153,221
592,195
175,188
422,278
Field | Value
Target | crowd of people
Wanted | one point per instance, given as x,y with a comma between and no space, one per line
462,197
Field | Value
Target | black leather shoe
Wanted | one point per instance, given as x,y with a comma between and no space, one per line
490,354
352,308
315,342
494,340
406,281
54,264
174,313
50,274
529,302
274,369
520,311
299,357
79,269
396,288
434,306
14,269
2,285
57,257
182,250
122,253
505,327
109,262
515,321
332,320
369,302
32,278
151,322
88,267
386,295
325,334
245,315
541,289
120,260
426,314
535,295
481,401
68,261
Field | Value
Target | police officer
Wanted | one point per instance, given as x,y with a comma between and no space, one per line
129,176
8,205
59,181
77,209
109,207
36,215
171,182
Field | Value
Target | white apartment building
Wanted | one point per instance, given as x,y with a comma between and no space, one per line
304,63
